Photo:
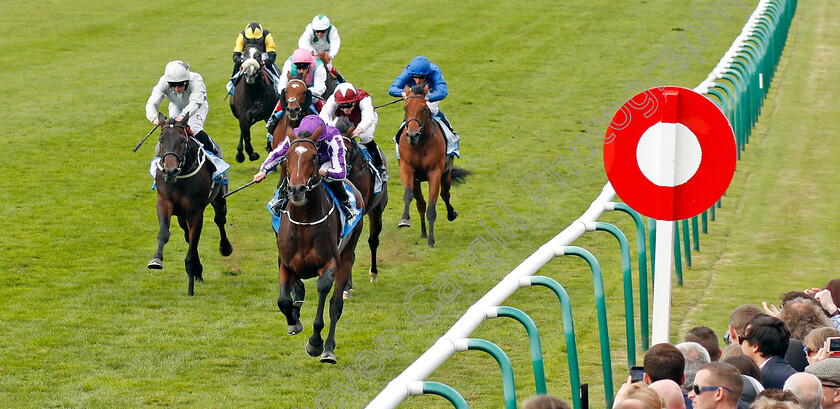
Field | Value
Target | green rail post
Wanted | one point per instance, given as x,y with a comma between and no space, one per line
627,275
504,364
704,221
601,308
568,330
643,283
686,242
652,237
446,391
533,340
677,256
695,233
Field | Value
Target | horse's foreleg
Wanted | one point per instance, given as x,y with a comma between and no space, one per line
407,176
285,302
445,185
336,308
192,263
240,157
164,212
421,207
246,136
185,227
325,282
375,218
220,209
431,212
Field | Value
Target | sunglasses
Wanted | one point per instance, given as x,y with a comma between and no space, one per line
700,389
419,76
304,66
742,338
320,31
347,105
178,84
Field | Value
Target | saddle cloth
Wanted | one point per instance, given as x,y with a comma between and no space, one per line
347,226
453,140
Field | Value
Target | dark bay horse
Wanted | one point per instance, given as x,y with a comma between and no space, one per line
423,157
184,188
308,245
253,99
295,100
362,176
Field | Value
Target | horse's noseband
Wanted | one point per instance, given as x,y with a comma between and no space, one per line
419,122
315,178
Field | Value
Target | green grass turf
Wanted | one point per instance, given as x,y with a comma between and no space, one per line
84,324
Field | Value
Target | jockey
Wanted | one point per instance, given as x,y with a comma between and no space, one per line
420,70
357,106
255,34
321,38
330,160
187,97
312,69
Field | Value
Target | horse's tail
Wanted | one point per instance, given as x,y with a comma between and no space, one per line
459,175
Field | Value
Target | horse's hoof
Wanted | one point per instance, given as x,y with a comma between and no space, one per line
294,329
225,249
452,216
328,357
404,223
313,350
373,276
346,295
253,156
155,264
240,157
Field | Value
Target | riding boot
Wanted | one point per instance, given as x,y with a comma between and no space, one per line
208,143
337,187
376,158
337,75
278,205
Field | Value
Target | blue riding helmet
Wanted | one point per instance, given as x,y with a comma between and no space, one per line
419,65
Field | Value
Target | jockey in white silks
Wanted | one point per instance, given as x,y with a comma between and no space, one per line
322,39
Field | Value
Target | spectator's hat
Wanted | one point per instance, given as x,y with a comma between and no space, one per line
828,370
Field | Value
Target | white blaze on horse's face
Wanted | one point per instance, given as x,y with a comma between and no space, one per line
300,150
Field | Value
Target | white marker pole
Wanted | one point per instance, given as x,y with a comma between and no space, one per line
664,261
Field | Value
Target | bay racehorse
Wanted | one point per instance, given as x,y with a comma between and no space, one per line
254,98
308,246
295,101
185,187
361,174
423,157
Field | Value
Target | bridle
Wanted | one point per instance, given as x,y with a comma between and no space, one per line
182,159
311,184
289,100
419,122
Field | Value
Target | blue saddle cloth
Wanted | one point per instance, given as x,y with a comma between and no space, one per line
347,227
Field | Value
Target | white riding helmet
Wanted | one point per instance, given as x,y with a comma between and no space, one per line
177,71
320,22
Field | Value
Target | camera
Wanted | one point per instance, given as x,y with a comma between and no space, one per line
833,345
637,373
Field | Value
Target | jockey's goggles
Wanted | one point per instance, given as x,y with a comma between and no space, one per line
302,65
320,31
178,84
418,76
347,105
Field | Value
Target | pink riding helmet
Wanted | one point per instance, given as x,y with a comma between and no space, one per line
302,56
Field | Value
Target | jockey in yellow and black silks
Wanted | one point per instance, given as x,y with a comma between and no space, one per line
255,34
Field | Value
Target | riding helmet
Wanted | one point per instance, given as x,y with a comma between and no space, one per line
345,93
419,65
320,22
253,30
177,71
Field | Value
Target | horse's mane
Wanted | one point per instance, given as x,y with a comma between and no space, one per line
419,89
343,125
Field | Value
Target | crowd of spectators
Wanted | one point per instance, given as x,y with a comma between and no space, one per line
773,358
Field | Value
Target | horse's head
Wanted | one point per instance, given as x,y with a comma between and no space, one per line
302,166
252,56
174,147
346,128
298,98
417,113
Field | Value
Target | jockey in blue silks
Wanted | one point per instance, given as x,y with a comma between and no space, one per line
418,71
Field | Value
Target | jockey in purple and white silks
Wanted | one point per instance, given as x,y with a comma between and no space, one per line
330,159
